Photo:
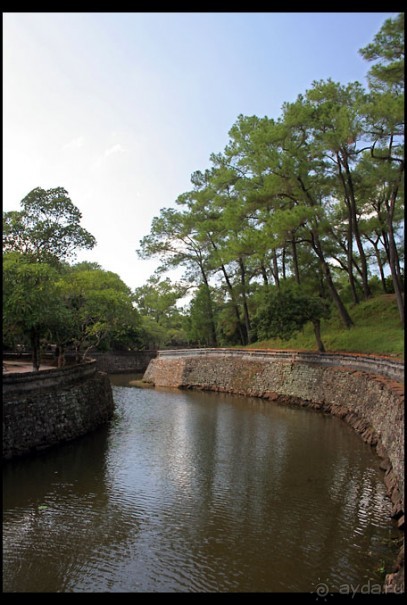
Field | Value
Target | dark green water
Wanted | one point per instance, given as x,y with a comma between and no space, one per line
198,492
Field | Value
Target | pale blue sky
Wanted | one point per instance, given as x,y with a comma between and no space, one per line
121,108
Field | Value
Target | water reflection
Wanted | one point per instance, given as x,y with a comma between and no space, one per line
187,492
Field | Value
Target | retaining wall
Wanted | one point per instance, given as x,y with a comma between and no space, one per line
44,408
123,361
370,399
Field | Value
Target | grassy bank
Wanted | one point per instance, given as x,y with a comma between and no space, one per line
377,330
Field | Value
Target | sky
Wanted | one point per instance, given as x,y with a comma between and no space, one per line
121,108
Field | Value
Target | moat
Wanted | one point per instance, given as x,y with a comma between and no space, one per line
188,491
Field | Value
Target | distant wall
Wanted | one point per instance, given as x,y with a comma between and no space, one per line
123,361
44,408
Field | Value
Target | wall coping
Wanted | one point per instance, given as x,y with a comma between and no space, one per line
375,364
136,352
28,381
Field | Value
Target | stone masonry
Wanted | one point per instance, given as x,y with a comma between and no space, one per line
372,403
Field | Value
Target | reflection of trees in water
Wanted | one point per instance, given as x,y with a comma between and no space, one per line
70,518
194,491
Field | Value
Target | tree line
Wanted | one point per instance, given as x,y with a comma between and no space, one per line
47,299
297,216
310,202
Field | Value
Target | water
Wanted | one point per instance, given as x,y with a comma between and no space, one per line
198,492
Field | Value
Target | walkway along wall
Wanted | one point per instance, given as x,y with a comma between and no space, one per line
370,399
41,409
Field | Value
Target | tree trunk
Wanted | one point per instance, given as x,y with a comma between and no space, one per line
213,341
295,259
379,264
316,245
245,307
35,347
355,296
336,299
235,306
350,201
398,287
348,266
317,331
60,354
212,328
264,274
353,208
344,315
275,269
233,299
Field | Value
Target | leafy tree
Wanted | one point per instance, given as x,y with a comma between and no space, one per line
175,240
286,311
154,335
103,308
199,318
387,50
385,117
47,228
207,214
157,304
315,196
86,266
376,182
30,300
303,191
337,128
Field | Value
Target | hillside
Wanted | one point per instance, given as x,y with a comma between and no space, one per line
377,330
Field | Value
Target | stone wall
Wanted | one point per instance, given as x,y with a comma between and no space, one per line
123,361
48,407
374,364
372,402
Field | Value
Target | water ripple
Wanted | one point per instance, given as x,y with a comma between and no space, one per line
191,492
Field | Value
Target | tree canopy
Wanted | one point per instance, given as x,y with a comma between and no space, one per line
296,218
47,227
315,196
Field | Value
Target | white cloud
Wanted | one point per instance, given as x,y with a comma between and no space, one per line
75,143
115,149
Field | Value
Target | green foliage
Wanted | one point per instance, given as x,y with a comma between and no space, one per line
28,290
316,196
377,330
102,309
284,312
48,227
291,219
387,50
154,335
80,306
199,324
162,320
30,300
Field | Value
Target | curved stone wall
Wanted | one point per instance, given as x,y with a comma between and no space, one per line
376,364
371,399
44,408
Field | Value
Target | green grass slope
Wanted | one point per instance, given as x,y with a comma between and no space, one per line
377,330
